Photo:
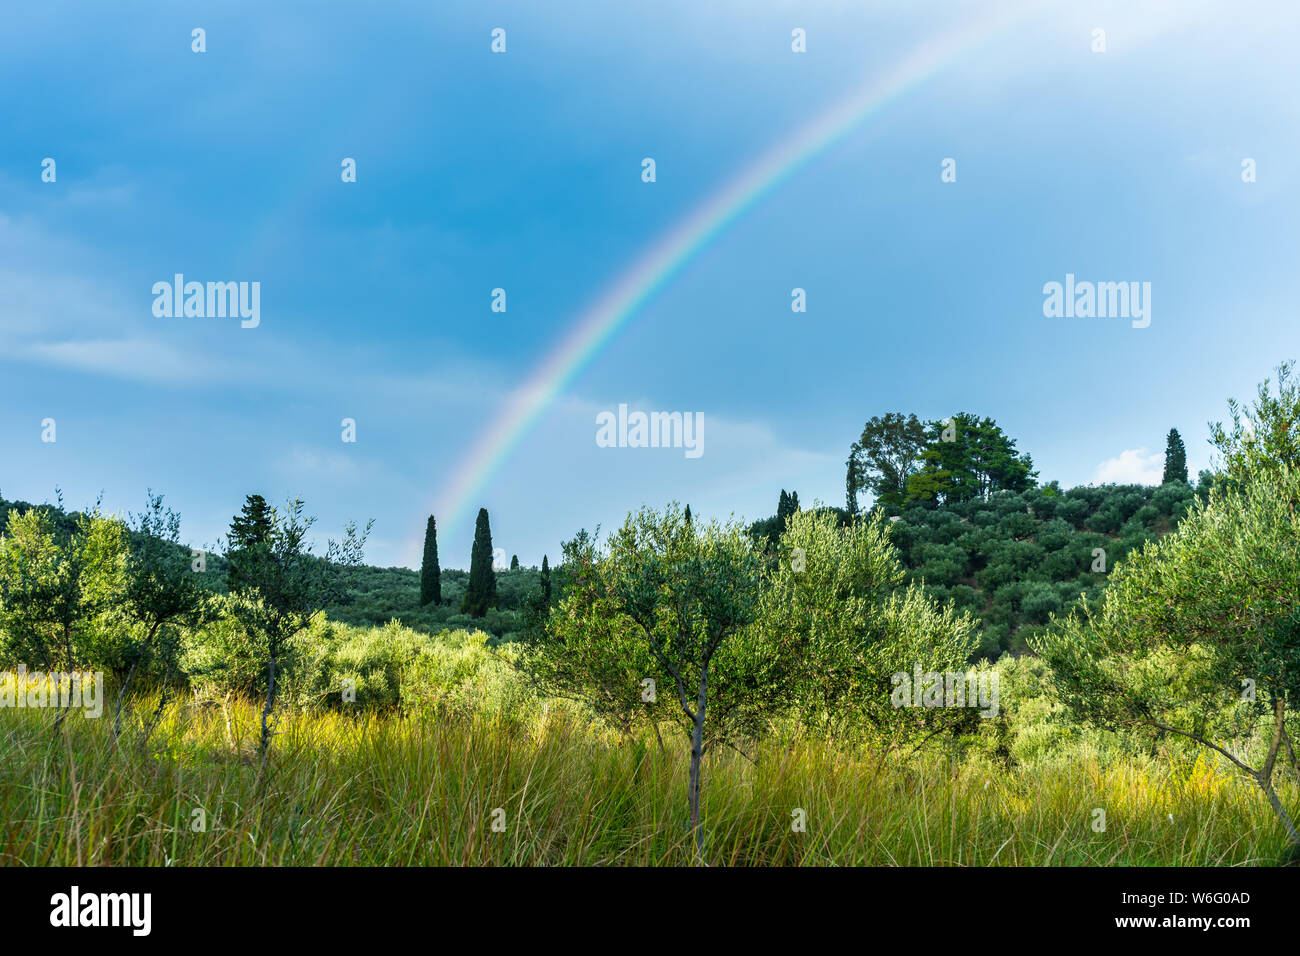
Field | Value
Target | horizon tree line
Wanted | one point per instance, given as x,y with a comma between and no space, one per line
903,461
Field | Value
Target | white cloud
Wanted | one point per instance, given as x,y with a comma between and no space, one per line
1136,466
142,360
301,461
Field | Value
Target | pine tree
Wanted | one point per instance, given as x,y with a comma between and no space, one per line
1175,458
968,459
430,573
248,529
252,525
514,562
546,582
481,591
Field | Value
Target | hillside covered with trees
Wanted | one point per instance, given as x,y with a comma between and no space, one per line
971,630
973,527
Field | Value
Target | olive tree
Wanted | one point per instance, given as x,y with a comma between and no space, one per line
589,652
55,585
283,586
1262,438
844,626
1198,634
161,590
687,592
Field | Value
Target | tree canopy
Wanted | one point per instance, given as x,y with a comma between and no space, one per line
1175,458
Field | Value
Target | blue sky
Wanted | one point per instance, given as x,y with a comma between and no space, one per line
523,171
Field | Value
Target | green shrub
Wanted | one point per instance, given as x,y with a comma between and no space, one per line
362,667
458,674
1040,603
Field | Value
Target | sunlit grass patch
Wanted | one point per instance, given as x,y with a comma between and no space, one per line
385,790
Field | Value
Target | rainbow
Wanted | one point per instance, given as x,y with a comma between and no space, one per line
596,327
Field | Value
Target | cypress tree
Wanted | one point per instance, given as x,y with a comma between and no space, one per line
852,481
514,562
248,529
546,582
1175,458
688,516
481,591
430,573
787,506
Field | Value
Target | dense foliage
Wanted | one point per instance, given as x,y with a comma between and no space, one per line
903,461
1128,625
481,591
430,571
1199,634
1016,558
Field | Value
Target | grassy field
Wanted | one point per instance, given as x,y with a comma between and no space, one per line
393,791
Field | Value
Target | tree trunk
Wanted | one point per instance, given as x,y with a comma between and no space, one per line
697,742
62,712
1295,765
147,730
121,698
126,684
266,711
56,688
697,752
1267,787
1265,775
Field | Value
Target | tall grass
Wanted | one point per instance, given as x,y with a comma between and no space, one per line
385,790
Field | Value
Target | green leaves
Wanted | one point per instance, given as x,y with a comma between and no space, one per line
841,623
1175,459
55,585
816,631
160,586
1198,633
481,592
1264,437
662,600
281,585
968,458
430,572
884,458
